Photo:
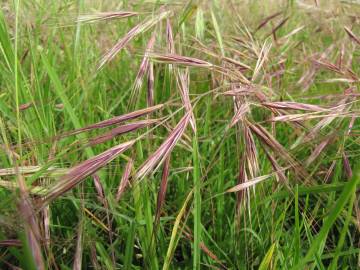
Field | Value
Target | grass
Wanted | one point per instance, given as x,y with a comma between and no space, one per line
179,134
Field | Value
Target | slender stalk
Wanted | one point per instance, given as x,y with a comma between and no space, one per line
220,187
16,79
297,227
197,204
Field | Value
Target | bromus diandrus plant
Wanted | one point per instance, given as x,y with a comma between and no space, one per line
211,134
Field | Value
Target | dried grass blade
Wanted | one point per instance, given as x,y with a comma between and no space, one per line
317,151
329,171
164,150
124,180
328,65
170,42
341,80
121,130
280,175
138,29
25,106
249,183
99,188
77,265
31,224
23,170
78,173
262,57
289,105
144,68
352,35
304,117
46,224
102,16
183,85
246,90
170,37
10,243
237,63
266,20
351,125
211,254
309,75
33,236
180,60
101,195
276,147
347,167
340,58
241,178
279,25
96,220
240,113
267,138
340,108
150,85
93,257
115,120
307,78
293,32
162,190
188,234
251,152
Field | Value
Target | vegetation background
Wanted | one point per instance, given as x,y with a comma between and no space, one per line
194,134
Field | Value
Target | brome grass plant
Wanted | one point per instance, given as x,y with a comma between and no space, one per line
161,134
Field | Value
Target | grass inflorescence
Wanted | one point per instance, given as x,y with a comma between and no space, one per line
179,134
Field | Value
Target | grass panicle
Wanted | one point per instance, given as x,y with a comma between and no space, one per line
179,134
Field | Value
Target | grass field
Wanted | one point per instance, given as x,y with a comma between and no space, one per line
159,134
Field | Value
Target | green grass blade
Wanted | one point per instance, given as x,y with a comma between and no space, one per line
129,248
175,233
333,265
60,91
265,263
347,193
218,33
